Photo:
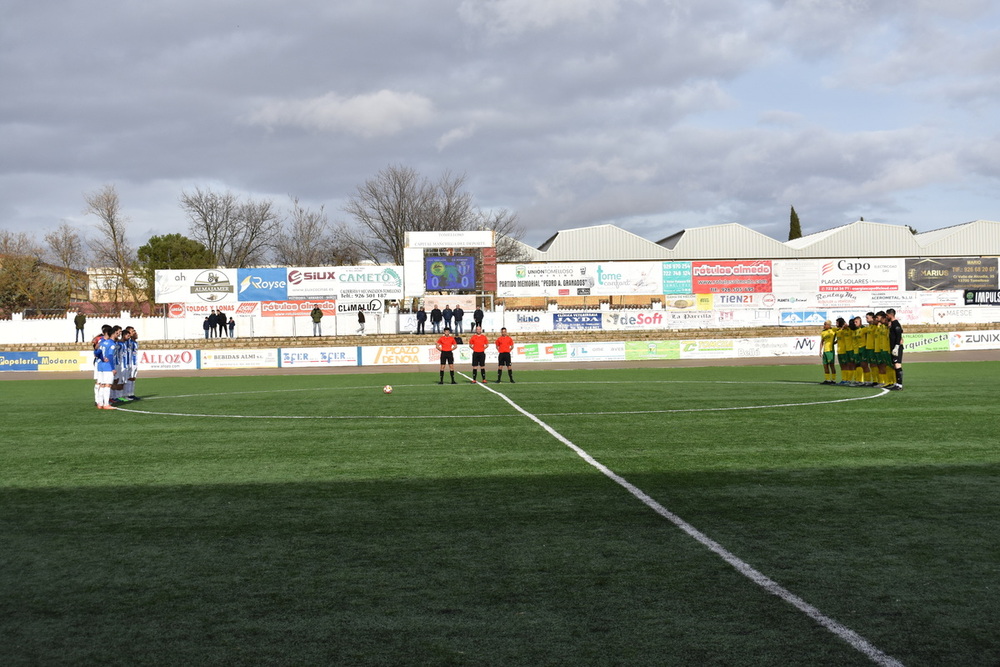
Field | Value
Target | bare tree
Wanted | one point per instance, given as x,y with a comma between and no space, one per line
303,239
111,250
67,251
211,216
508,232
398,200
395,201
449,208
257,222
237,233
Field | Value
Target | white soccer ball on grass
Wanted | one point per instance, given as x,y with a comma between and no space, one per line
387,389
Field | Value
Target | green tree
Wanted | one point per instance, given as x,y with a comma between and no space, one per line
794,227
173,251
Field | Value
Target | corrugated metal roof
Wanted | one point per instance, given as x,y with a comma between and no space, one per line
859,239
599,243
981,237
735,241
729,241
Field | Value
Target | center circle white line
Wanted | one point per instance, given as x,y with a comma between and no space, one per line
858,642
883,392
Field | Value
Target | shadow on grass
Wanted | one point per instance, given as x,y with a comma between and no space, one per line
546,570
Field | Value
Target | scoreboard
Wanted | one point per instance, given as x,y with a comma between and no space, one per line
450,273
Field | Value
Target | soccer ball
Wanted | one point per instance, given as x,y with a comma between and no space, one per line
387,389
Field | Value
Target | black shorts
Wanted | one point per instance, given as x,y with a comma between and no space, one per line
478,359
898,357
447,358
504,358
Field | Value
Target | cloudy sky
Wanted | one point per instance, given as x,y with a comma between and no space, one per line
654,115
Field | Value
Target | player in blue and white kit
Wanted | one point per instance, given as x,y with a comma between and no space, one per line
105,333
107,363
133,363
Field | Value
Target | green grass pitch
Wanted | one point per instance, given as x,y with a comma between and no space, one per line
312,519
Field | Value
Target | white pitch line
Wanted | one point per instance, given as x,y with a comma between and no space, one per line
194,414
858,642
884,392
540,414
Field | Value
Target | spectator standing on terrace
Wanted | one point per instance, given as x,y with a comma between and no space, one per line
232,327
213,321
316,316
220,323
459,314
421,320
447,314
79,321
207,324
436,320
361,322
477,316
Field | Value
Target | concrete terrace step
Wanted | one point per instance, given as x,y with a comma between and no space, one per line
569,336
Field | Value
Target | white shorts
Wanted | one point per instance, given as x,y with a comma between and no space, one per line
104,377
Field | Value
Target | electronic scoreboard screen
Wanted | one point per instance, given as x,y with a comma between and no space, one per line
450,273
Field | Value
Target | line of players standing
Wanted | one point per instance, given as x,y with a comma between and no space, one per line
116,359
447,343
870,354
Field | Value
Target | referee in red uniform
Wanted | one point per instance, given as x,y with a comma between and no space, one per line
446,346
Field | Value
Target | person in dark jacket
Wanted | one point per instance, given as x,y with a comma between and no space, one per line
447,315
477,317
436,320
459,314
421,320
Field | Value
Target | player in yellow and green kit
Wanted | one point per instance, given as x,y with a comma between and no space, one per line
882,358
867,349
845,351
827,338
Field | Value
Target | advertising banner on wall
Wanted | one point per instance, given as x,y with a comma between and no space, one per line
313,282
981,297
733,301
387,355
795,275
925,342
974,340
731,276
262,284
652,349
597,351
262,358
576,321
363,283
310,357
865,275
952,273
212,286
970,315
168,360
580,279
677,278
633,319
296,308
66,361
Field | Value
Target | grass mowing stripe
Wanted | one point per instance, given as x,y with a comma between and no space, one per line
192,414
858,642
